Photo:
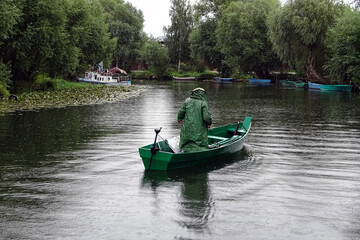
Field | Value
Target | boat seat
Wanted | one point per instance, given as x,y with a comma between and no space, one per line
216,138
240,131
223,142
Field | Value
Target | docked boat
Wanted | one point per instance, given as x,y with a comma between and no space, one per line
300,84
220,79
259,81
113,76
340,88
224,140
315,85
184,78
287,83
323,87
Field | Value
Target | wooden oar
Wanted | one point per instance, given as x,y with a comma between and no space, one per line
154,149
236,128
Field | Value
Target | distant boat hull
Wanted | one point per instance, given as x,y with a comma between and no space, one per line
323,87
120,83
287,83
220,79
341,88
259,81
104,79
300,84
184,78
315,85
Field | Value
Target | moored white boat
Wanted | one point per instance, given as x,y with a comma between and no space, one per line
184,78
111,77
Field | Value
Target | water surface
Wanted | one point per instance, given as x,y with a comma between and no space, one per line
75,172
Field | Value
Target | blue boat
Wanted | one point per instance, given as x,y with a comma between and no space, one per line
259,81
315,85
220,79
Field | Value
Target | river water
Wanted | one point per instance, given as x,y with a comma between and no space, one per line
75,172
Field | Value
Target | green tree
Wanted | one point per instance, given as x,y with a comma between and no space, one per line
203,41
89,34
242,36
38,34
125,24
203,44
344,42
209,8
177,34
156,56
9,17
298,32
55,38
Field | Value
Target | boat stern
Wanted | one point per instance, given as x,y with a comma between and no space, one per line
160,160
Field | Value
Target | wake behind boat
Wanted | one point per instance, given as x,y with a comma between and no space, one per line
225,140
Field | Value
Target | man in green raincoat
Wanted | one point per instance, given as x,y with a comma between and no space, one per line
195,117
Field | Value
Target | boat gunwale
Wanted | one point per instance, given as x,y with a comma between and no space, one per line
206,150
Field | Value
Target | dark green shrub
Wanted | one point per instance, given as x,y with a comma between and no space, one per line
5,81
44,83
3,91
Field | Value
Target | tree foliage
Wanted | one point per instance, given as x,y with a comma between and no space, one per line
203,41
177,34
10,14
203,44
298,31
89,33
344,42
63,38
205,9
156,56
356,3
125,25
242,36
9,17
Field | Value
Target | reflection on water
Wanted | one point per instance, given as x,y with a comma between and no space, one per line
196,206
75,173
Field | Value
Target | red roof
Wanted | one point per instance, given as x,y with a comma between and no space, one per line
116,70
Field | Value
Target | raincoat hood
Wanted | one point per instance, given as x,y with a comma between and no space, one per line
200,94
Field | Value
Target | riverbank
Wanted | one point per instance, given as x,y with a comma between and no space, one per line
93,94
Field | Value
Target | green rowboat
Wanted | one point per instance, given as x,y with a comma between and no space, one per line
322,87
223,141
300,84
340,88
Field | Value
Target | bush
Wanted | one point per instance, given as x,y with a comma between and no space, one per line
3,91
147,74
241,76
343,41
44,83
5,76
